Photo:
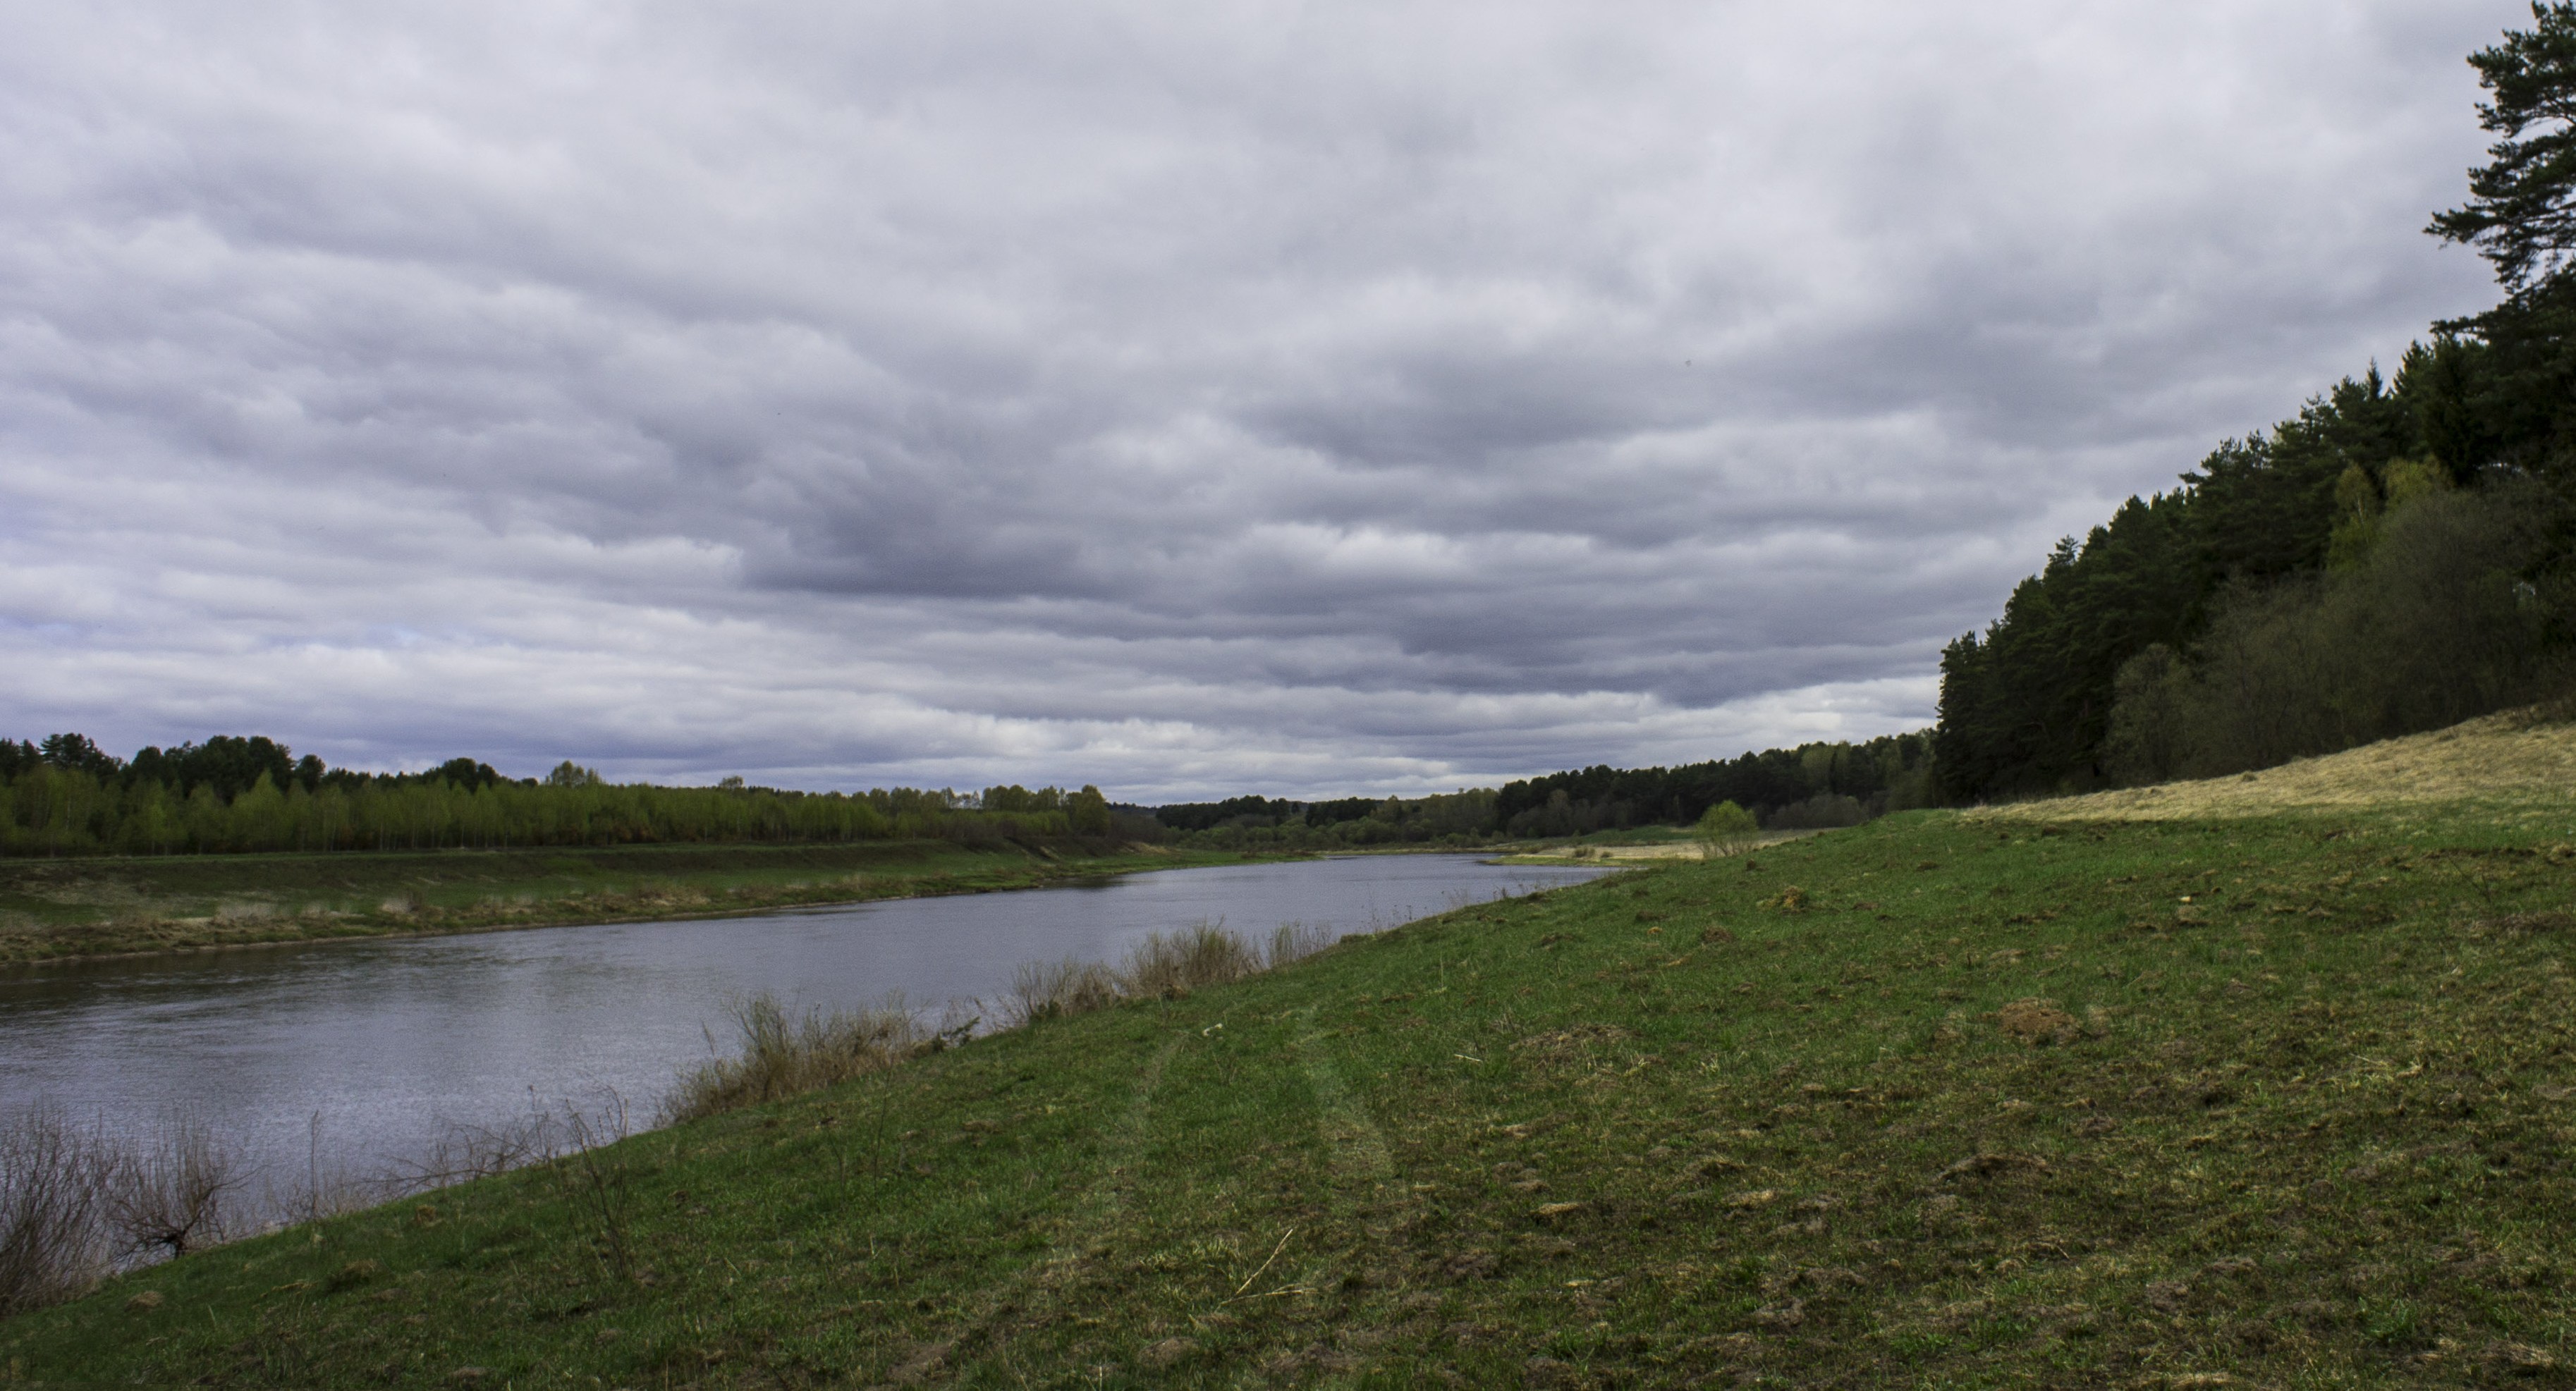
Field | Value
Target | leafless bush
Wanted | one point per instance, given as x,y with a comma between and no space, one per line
597,1182
172,1193
1057,990
467,1152
782,1057
53,1232
325,1188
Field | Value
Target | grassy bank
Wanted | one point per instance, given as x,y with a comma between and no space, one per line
1949,1100
57,909
1629,849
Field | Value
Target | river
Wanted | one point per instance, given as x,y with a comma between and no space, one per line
349,1060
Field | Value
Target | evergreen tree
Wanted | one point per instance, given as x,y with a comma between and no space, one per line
2521,214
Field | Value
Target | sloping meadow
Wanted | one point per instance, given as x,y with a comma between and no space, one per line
1937,1100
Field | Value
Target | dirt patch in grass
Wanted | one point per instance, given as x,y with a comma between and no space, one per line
2037,1021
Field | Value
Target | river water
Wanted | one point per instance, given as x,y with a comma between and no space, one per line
354,1059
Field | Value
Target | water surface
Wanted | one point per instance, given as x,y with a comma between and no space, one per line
358,1057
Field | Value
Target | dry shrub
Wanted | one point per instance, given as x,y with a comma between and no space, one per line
173,1194
53,1229
782,1057
467,1152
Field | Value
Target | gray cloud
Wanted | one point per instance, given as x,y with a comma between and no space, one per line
1312,398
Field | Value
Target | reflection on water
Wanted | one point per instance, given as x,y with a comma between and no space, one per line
361,1055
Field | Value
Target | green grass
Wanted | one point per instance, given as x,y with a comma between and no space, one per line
57,909
1738,1123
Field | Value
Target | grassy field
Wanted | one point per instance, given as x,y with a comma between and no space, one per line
2277,1099
56,909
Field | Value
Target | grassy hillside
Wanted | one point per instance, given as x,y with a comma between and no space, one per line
2519,766
53,909
2284,1098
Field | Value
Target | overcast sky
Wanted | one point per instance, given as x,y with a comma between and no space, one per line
1187,398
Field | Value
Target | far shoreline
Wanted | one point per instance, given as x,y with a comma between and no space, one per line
81,910
295,900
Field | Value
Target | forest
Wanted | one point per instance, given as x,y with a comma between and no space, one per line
2399,556
1817,784
66,796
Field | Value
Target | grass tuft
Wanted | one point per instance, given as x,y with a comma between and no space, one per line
1043,990
1168,966
783,1056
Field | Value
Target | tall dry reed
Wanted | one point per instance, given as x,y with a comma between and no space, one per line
782,1057
1163,966
1057,989
1169,966
1291,943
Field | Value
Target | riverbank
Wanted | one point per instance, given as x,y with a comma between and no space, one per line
1942,1099
54,911
1631,850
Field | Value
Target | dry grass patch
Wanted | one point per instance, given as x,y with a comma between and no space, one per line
2520,756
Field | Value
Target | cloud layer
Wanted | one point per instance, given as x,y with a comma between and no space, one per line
1298,398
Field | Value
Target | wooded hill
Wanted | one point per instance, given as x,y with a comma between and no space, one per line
2399,556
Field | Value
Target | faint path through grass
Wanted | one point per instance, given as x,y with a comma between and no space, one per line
1363,1169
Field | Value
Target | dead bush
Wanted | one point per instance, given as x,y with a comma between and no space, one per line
172,1193
53,1230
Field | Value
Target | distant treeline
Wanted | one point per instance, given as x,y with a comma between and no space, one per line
2399,557
66,796
1449,818
1837,784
